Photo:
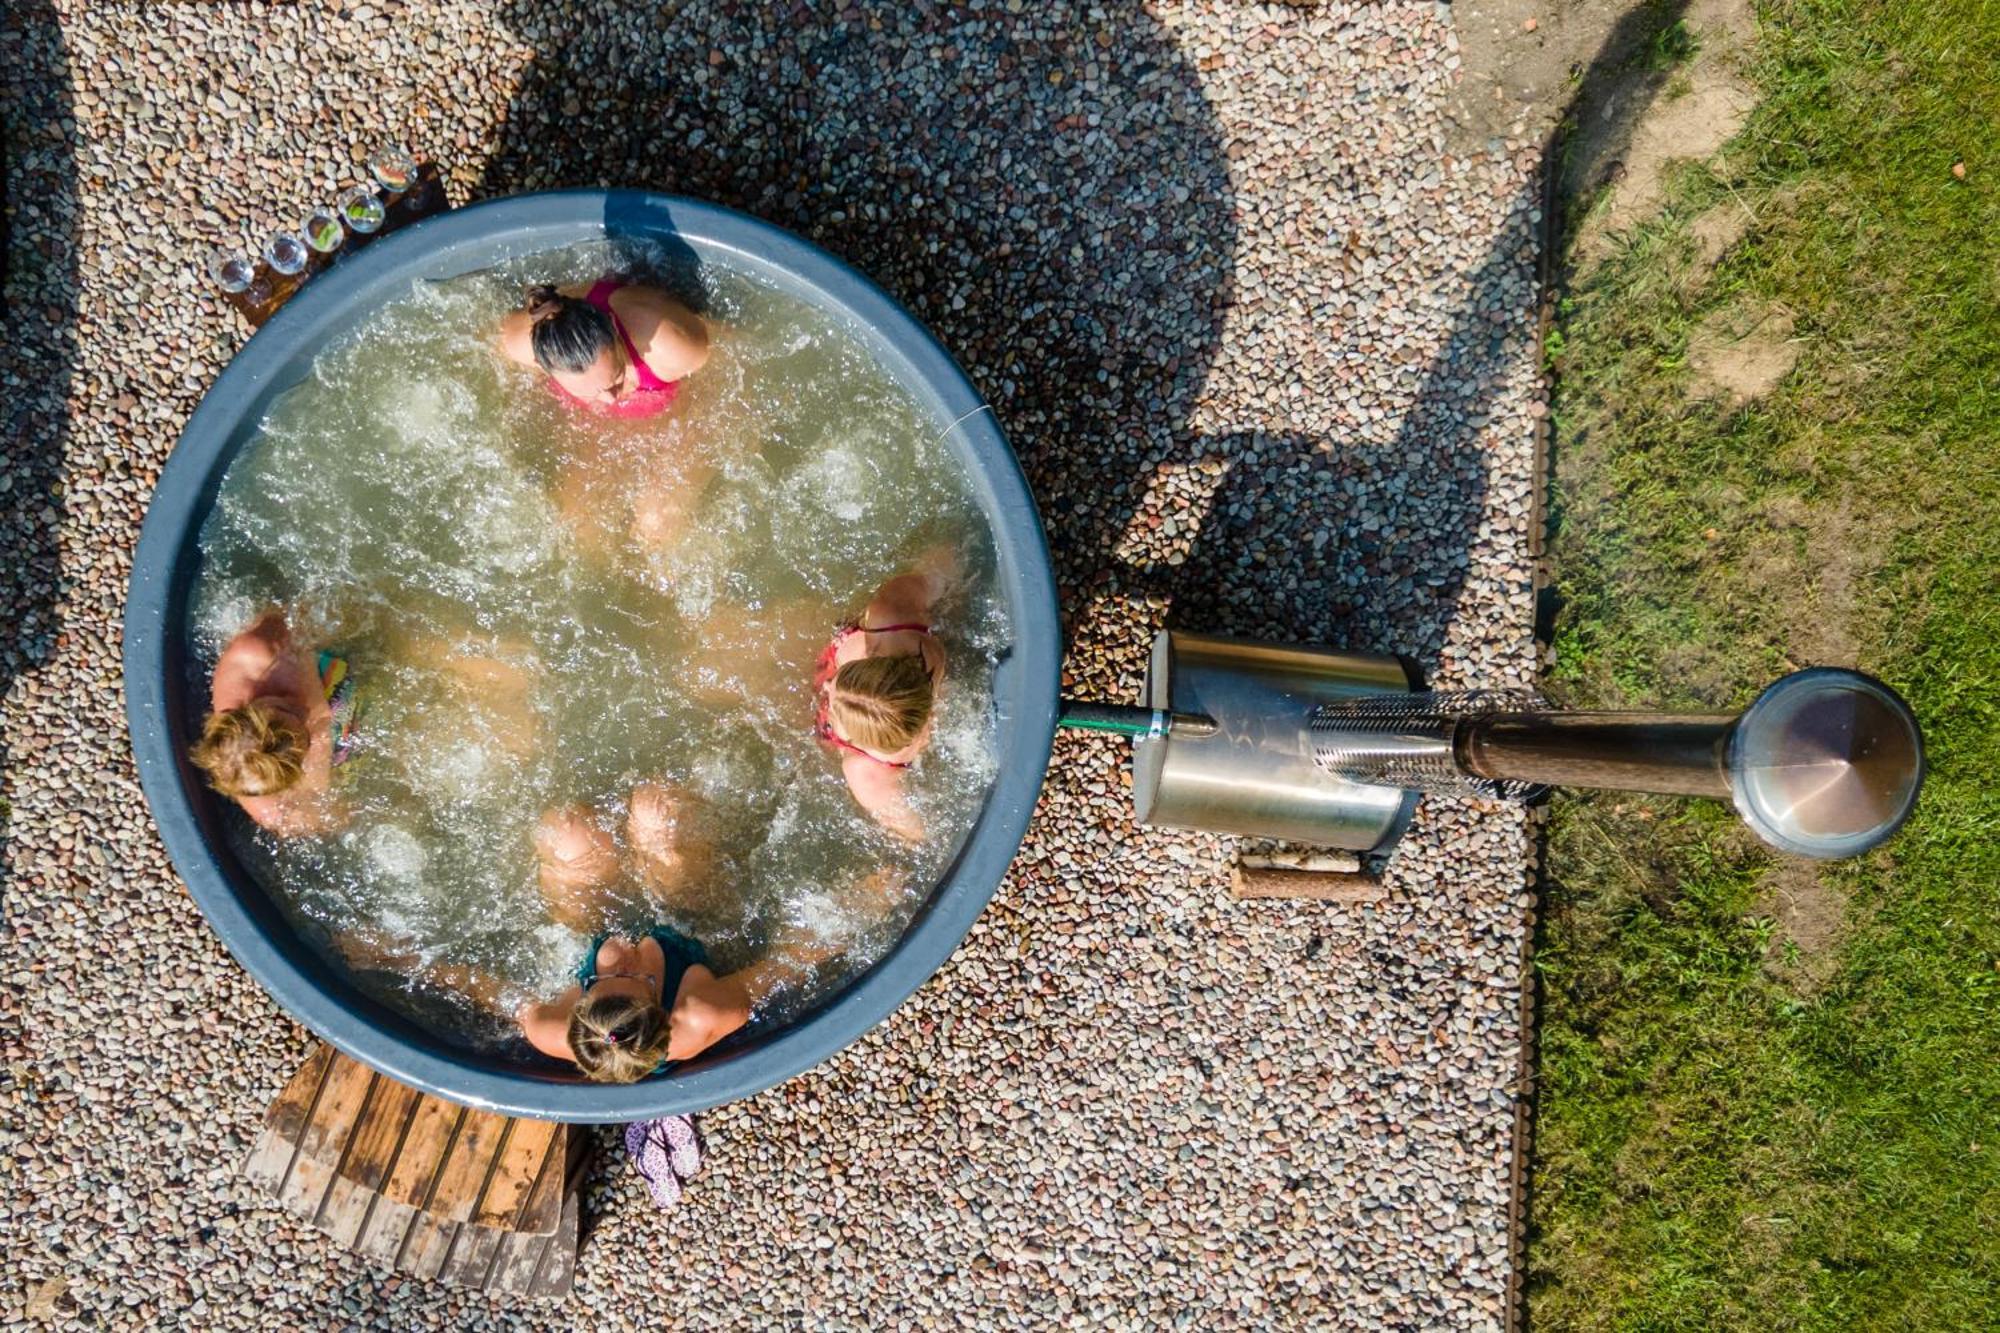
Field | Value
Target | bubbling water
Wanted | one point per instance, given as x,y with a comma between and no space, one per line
523,640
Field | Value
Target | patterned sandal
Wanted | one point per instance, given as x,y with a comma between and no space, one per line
663,1151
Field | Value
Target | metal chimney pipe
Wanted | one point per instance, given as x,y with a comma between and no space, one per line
1825,763
1655,752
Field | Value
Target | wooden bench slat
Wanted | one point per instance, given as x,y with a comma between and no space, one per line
285,1121
379,1144
463,1174
431,1132
425,1248
422,1185
351,1198
557,1268
471,1256
530,1145
348,1089
541,1211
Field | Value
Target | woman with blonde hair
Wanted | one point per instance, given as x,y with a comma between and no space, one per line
284,715
642,999
281,718
875,689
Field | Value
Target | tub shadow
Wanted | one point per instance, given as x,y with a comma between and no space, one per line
1047,193
38,355
1391,522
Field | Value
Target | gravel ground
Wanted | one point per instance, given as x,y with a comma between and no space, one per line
1266,349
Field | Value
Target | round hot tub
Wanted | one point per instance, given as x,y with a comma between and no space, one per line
165,710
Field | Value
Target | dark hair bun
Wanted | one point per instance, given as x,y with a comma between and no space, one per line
543,300
567,334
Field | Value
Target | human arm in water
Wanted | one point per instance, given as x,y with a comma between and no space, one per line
672,339
710,1008
910,598
369,950
878,789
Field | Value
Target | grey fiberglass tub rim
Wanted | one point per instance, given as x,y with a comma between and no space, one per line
342,299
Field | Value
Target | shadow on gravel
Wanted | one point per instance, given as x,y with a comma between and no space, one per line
38,354
1390,524
1047,192
1391,560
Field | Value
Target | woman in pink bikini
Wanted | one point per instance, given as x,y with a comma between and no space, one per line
874,692
612,347
619,350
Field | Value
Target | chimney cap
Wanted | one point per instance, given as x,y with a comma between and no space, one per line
1826,763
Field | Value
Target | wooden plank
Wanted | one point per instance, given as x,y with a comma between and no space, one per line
427,1246
557,1267
530,1145
379,1144
419,1184
351,1196
1315,885
472,1255
324,1143
432,1131
463,1175
519,1258
285,1122
541,1211
384,1230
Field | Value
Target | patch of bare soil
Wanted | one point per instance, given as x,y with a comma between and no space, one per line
1742,352
1522,59
1656,112
1825,552
1808,915
1717,231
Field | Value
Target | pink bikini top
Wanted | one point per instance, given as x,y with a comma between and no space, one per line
823,673
653,395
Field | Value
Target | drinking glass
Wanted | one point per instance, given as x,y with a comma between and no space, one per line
321,230
393,167
361,209
232,270
286,254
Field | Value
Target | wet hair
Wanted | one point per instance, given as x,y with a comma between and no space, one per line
618,1038
254,750
568,334
881,703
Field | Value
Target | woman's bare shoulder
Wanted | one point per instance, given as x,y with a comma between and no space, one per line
545,1023
671,337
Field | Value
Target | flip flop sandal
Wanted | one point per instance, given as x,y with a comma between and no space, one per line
683,1147
662,1152
650,1159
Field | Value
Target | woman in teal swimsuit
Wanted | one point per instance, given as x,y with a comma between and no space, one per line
642,1002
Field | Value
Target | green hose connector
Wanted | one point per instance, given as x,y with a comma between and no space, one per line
1131,720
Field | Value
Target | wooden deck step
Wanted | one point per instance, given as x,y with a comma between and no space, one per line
424,1185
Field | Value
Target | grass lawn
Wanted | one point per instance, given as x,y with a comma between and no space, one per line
1770,1092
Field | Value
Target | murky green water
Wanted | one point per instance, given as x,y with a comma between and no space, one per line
417,500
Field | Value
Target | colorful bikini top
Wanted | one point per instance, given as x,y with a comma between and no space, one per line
653,394
342,701
823,673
